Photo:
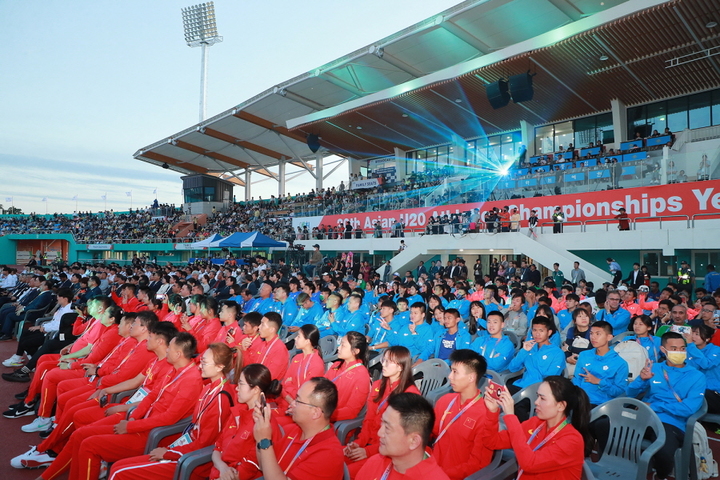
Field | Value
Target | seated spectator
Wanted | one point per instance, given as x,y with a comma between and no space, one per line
613,313
303,366
350,376
496,349
578,337
212,412
601,372
452,338
252,343
312,435
643,327
565,315
396,378
540,359
272,353
404,436
678,314
459,417
476,323
675,393
416,337
705,356
515,316
308,312
537,456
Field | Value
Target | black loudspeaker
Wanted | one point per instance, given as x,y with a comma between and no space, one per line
497,94
521,87
313,142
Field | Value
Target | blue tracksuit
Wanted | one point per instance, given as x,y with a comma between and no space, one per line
462,340
461,305
687,382
539,363
610,368
414,299
421,345
288,310
565,317
403,317
351,321
307,316
378,334
707,361
497,352
619,320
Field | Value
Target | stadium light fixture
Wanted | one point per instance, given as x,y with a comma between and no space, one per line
201,31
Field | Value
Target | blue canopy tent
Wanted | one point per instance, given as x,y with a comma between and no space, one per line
247,240
203,244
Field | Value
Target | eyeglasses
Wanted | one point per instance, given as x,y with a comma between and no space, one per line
387,361
305,403
614,299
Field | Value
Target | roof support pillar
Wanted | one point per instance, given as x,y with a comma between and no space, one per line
248,183
619,117
318,171
281,178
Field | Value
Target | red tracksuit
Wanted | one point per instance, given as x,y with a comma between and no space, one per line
205,332
100,349
237,444
368,438
461,450
322,459
212,410
302,367
50,360
353,383
559,459
174,400
376,467
274,355
252,354
80,411
237,335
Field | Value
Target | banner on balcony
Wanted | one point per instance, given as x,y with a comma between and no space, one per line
641,203
369,183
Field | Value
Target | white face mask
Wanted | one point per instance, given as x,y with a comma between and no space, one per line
677,358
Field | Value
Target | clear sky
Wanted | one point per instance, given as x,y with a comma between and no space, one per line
84,84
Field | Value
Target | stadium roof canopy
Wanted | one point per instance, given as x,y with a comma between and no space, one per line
414,88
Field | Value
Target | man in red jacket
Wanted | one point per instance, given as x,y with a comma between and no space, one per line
404,435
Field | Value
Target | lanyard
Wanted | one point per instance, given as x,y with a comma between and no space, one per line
212,395
268,349
359,364
494,347
162,390
109,355
300,380
672,390
546,440
386,474
652,343
149,372
302,449
444,429
117,369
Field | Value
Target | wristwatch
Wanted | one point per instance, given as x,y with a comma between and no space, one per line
264,444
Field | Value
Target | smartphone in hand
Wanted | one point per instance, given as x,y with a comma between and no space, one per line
494,389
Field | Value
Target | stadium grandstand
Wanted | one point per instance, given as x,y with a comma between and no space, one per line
521,173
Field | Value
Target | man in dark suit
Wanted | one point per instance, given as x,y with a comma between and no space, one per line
155,282
636,277
42,300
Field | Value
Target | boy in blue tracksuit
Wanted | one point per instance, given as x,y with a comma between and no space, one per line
601,372
705,356
383,323
460,303
452,338
402,313
416,337
496,348
538,356
283,305
308,312
675,391
412,295
353,320
614,314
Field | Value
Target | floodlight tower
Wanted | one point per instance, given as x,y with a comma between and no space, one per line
201,31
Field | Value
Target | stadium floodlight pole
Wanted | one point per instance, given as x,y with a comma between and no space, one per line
201,31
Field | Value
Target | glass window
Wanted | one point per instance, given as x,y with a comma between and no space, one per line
657,116
677,118
668,266
544,141
651,260
604,127
636,117
716,107
563,134
442,155
699,110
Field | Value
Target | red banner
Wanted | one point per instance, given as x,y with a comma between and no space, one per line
661,200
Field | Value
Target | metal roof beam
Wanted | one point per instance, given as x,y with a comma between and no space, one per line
695,37
563,84
466,37
283,92
263,168
397,63
303,164
334,168
242,143
214,155
570,10
158,157
330,77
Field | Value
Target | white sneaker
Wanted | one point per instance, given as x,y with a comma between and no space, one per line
14,361
32,459
40,424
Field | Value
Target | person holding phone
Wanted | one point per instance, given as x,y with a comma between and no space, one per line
459,447
553,444
396,379
212,411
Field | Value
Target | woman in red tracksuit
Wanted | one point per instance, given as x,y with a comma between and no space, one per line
235,455
211,412
350,376
303,366
396,378
548,446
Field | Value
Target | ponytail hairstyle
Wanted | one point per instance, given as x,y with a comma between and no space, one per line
402,357
577,406
358,342
311,333
473,323
258,375
114,312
